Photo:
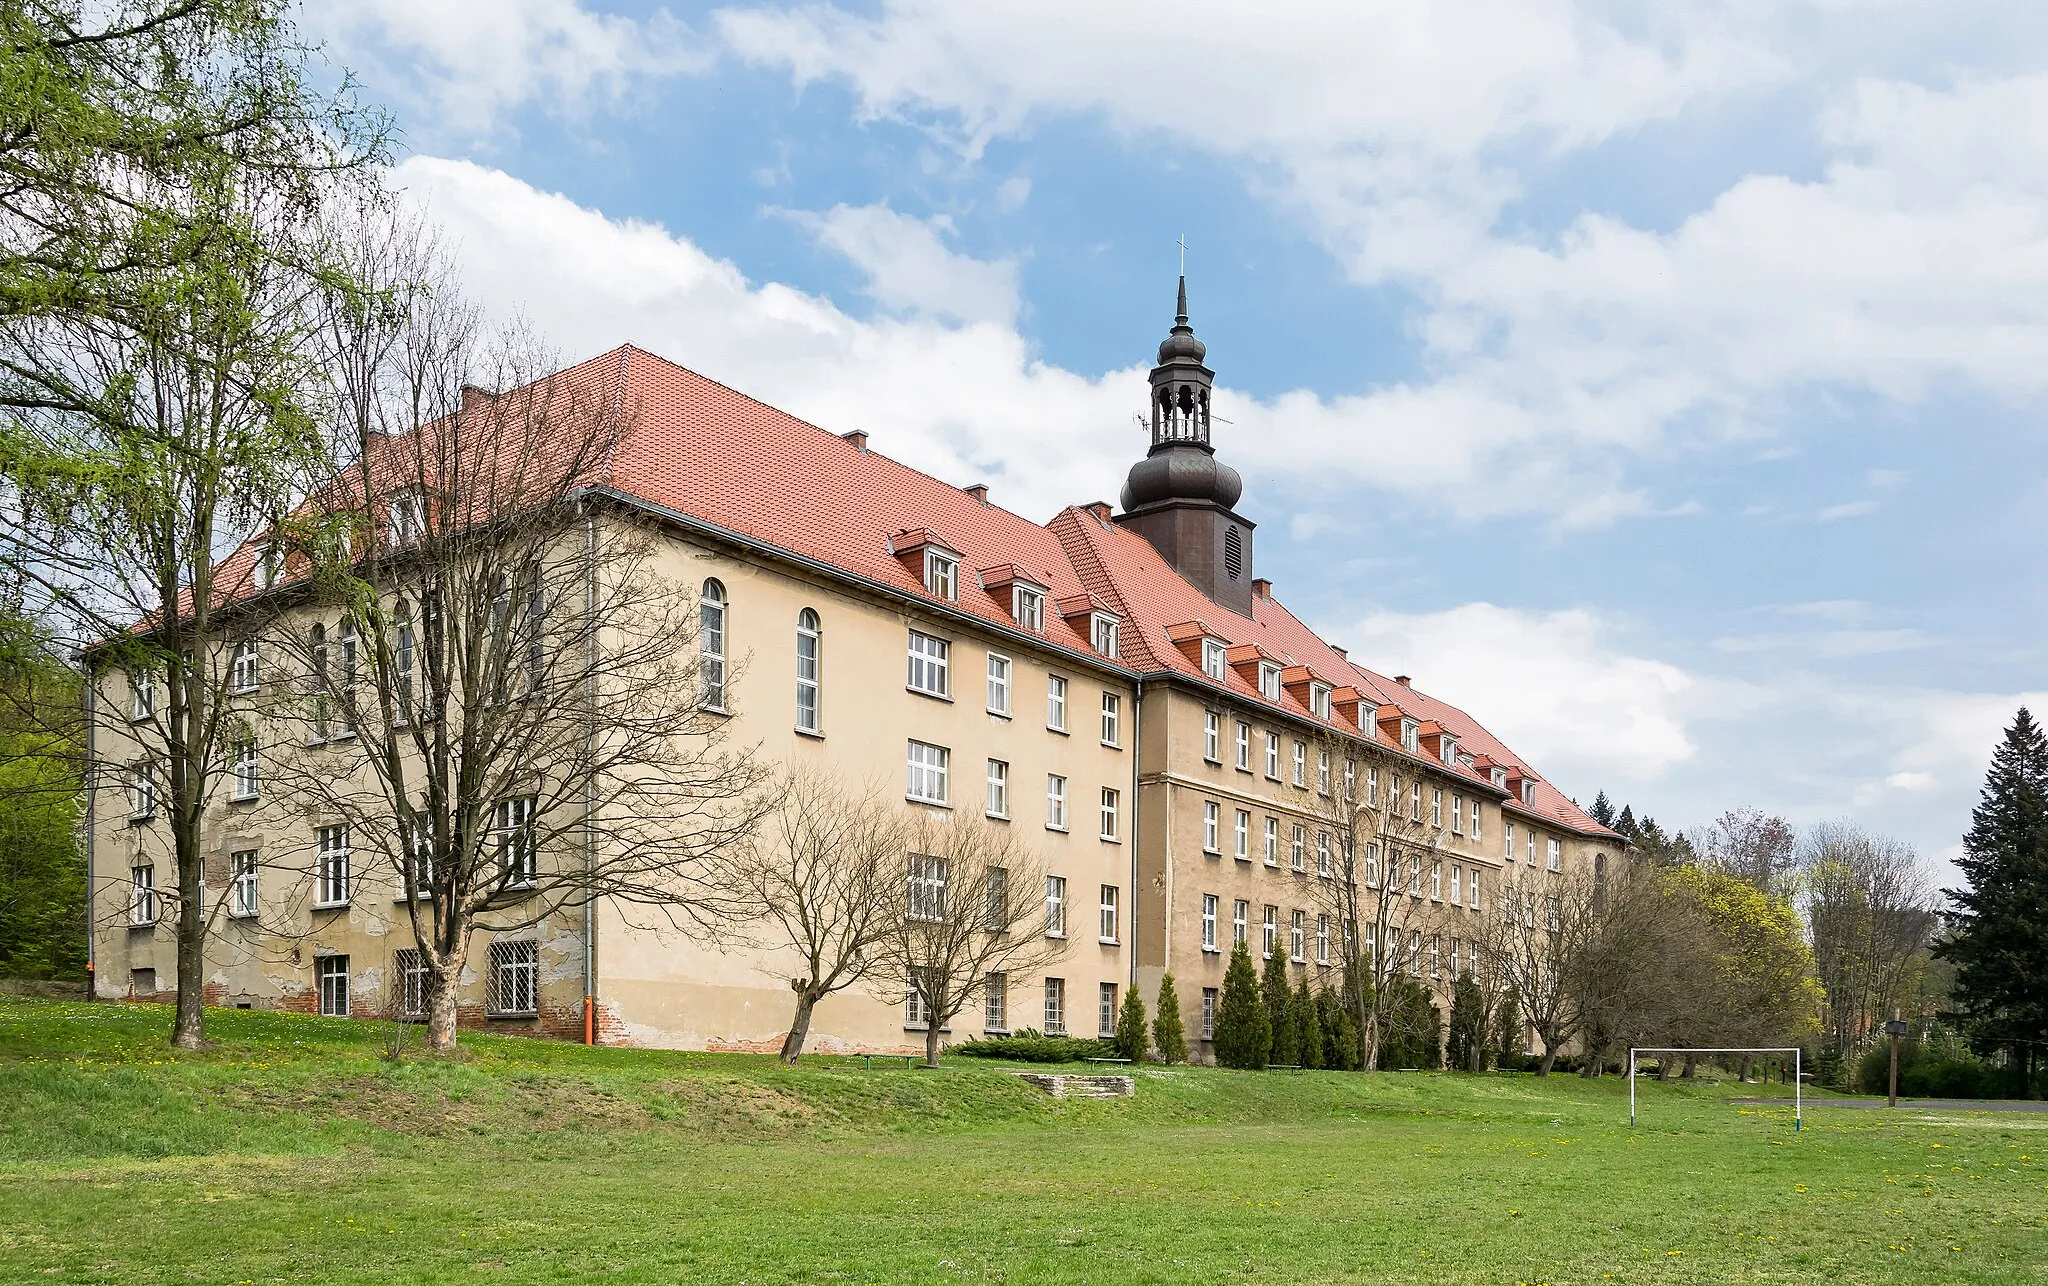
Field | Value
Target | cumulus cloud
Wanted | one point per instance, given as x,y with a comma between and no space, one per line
909,267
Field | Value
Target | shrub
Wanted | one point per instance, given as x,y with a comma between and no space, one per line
1308,1028
1278,998
1167,1032
1340,1031
1413,1035
1244,1033
1131,1041
1468,1027
1030,1046
1934,1069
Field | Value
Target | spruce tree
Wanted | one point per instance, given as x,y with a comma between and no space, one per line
1999,942
1468,1027
1278,998
1130,1027
1602,810
1244,1033
1308,1027
1167,1032
1343,1039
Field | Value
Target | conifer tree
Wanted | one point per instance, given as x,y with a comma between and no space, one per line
1308,1027
1999,944
1602,810
1285,1048
1167,1033
1244,1033
1340,1032
1130,1027
1468,1027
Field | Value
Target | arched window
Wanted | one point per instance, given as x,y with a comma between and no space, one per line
807,650
711,645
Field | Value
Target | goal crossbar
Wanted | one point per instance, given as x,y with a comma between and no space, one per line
1798,1097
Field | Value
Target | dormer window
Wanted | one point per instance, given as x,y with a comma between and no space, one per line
1213,662
1449,746
268,556
1529,792
1319,699
1027,608
408,518
1500,777
1102,632
1411,736
1269,680
941,575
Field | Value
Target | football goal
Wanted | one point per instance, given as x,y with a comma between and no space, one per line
1798,1096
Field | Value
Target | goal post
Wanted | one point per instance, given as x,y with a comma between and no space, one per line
1798,1087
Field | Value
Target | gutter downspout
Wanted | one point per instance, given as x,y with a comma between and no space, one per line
92,977
589,786
1137,811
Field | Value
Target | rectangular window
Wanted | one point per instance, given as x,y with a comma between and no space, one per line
1476,836
1319,700
142,895
410,968
1414,952
1556,859
995,901
1273,755
248,780
928,767
1272,938
1055,906
1372,786
1244,745
331,865
1211,822
1323,854
1208,922
1451,960
1457,884
330,974
141,793
1436,881
1269,681
408,518
1472,890
1272,841
242,882
1212,736
1415,802
1105,1009
1055,1006
1241,836
142,692
1240,922
998,684
916,1013
1457,814
998,788
1299,851
927,887
1350,780
1208,1013
1436,809
1056,703
808,645
1322,939
1110,805
516,826
1112,718
242,669
1551,919
1530,849
1323,771
1102,633
515,978
995,1003
1372,866
1301,763
1213,659
1436,955
1509,828
928,660
1415,874
1297,931
941,575
1027,608
1055,802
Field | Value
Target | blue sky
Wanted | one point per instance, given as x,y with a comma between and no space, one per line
1662,382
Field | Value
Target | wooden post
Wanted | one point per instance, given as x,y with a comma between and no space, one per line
1895,1029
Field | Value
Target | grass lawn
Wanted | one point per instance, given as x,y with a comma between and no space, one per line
294,1152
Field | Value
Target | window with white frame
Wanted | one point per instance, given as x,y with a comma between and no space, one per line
810,646
1530,848
1472,890
1447,746
1105,1009
1451,958
1112,718
1372,786
1552,918
1241,835
1372,866
1208,1013
1301,763
1212,736
1027,608
141,793
517,827
1212,821
711,623
247,778
1319,699
242,667
1111,805
1555,860
1350,780
330,976
515,978
1322,939
1415,875
1273,756
1436,881
1214,663
917,1009
330,864
927,887
141,693
1499,775
1415,801
1414,952
928,661
1208,922
419,855
242,882
1244,745
142,905
404,651
408,518
1240,922
1056,703
1297,931
268,556
1457,814
410,968
998,684
1272,841
1272,931
1436,944
1269,680
1457,884
1107,924
1055,1006
346,652
927,776
1476,836
1509,829
1298,850
1474,962
1323,771
941,575
1436,808
995,900
1102,633
1055,906
1529,793
998,788
995,1003
1323,854
1055,802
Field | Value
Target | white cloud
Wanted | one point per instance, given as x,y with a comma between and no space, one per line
1853,509
462,64
908,266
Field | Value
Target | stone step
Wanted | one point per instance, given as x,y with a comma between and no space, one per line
1069,1085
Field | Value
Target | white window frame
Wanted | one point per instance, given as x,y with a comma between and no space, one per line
995,1003
1273,841
1055,1006
1107,917
929,771
1240,921
1457,814
1102,633
1055,802
407,518
713,621
1055,906
941,575
244,673
1272,756
1323,854
1554,856
1509,829
1112,804
1269,680
247,778
1457,885
1298,853
1436,807
1208,1013
998,789
141,694
1476,836
1241,834
929,671
141,793
1297,937
1271,940
1212,824
243,890
1411,736
1436,880
142,899
1212,736
1112,719
331,866
1215,662
331,983
1322,772
1027,608
1448,745
1322,939
1319,700
1472,889
1244,746
810,661
1105,1010
1300,762
516,828
514,990
1056,703
1209,907
927,877
1372,786
999,684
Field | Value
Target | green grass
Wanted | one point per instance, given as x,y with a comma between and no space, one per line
292,1151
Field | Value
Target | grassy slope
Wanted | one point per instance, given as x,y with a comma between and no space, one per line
292,1151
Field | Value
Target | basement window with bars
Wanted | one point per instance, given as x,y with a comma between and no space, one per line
515,979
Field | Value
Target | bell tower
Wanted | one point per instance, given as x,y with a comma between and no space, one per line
1180,497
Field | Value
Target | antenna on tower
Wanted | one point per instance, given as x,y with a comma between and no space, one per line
1183,244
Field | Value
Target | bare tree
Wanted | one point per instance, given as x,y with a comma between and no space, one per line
823,877
1384,848
967,912
1751,844
1871,914
497,688
1540,936
1645,973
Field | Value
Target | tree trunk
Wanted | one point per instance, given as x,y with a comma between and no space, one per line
1369,1042
1476,1054
1549,1058
188,1029
443,987
799,1025
1690,1063
931,1042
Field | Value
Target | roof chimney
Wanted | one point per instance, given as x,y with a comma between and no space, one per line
859,437
1403,680
1262,587
979,491
475,393
1099,509
1342,654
